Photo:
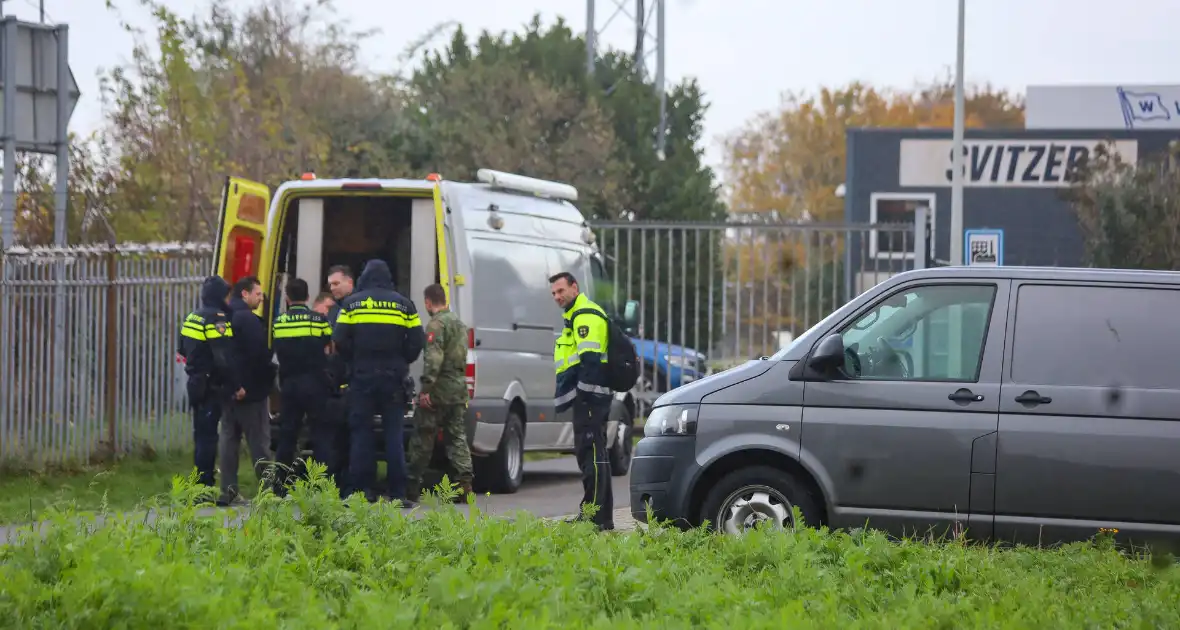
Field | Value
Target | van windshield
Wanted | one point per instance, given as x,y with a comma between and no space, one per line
602,289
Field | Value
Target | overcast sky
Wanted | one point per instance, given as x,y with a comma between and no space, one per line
745,58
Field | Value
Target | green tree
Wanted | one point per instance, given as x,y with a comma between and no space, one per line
480,112
627,183
1129,214
264,92
91,191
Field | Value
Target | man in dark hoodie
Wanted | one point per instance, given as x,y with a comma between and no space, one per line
250,415
206,337
378,334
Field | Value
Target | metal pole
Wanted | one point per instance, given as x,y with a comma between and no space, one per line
591,36
8,216
920,245
640,31
61,197
62,192
661,141
957,147
110,349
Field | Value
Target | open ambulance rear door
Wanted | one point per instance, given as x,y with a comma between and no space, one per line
240,248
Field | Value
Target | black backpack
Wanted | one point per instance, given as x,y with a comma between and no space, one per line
622,364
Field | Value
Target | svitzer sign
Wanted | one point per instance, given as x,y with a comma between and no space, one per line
1025,163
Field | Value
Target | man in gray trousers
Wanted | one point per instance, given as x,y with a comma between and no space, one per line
249,416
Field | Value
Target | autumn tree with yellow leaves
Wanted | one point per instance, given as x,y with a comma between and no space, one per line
784,166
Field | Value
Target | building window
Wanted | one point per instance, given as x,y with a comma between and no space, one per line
896,208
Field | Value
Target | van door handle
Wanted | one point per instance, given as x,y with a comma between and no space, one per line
1031,398
965,395
527,326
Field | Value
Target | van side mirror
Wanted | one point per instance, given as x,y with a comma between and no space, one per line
828,355
631,316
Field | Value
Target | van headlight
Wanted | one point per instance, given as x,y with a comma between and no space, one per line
671,420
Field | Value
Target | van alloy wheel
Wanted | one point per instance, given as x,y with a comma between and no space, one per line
751,505
514,455
502,472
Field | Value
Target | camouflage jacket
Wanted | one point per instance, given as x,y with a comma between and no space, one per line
444,372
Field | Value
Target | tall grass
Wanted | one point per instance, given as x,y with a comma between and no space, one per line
314,561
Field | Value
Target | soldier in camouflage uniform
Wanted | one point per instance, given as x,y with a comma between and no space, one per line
442,403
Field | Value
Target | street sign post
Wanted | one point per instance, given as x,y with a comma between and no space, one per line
40,95
985,248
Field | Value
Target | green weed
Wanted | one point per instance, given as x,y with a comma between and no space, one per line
121,485
312,560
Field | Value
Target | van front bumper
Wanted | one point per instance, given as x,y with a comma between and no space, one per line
662,470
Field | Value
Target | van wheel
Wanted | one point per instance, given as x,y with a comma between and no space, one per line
503,471
758,494
620,452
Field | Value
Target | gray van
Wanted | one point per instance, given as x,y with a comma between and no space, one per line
1026,405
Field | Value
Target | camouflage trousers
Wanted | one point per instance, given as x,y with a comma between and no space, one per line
451,419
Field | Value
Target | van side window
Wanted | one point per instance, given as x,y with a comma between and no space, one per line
926,333
1096,336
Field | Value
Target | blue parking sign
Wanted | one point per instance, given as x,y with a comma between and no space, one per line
983,248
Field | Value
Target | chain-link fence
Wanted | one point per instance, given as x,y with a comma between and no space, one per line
87,349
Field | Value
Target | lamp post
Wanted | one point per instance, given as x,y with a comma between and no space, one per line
957,148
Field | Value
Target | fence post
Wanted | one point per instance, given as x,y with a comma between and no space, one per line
921,248
111,358
7,424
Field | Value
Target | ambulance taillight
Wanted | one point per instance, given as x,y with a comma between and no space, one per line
471,363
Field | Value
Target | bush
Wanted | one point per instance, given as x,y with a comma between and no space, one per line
1129,214
340,564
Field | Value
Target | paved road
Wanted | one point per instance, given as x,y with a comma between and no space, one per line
551,488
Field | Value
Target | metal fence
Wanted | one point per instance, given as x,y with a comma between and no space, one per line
88,335
716,295
87,346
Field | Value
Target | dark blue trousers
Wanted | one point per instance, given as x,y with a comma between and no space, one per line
206,415
373,392
304,398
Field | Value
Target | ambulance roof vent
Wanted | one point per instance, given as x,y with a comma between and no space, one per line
532,185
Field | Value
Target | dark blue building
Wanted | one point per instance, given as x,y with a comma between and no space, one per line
1014,180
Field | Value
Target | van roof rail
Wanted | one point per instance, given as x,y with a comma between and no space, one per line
521,183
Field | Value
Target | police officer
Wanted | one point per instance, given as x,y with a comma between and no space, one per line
301,340
442,404
328,304
248,416
205,346
580,357
324,304
340,283
378,334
